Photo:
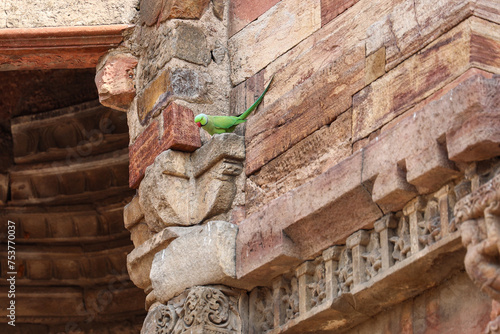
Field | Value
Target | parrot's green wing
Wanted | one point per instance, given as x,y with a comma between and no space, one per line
224,122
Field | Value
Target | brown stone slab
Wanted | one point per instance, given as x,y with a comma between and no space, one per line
114,81
183,9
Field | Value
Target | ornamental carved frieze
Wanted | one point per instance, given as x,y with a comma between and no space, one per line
201,309
478,215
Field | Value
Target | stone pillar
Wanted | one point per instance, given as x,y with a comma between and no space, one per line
384,227
305,274
331,256
357,242
414,213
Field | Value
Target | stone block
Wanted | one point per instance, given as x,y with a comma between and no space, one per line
150,11
411,82
189,43
115,81
240,14
169,85
205,256
286,25
218,9
391,191
179,133
375,65
132,213
331,9
478,137
430,168
183,9
140,259
301,223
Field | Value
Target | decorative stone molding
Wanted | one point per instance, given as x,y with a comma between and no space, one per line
379,267
478,215
200,309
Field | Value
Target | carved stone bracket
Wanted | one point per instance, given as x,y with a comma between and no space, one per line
201,309
185,189
478,215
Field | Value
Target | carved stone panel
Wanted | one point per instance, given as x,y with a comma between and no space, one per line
201,309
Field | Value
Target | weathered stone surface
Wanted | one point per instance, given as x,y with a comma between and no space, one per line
132,213
331,9
183,9
150,11
184,84
309,106
301,222
323,149
286,25
218,9
375,66
411,82
240,14
115,81
140,259
46,13
183,189
179,133
189,43
206,256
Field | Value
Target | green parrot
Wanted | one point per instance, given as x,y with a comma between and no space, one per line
224,124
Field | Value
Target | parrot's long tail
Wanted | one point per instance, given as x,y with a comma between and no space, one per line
256,103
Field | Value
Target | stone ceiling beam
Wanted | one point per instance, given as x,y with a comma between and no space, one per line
57,47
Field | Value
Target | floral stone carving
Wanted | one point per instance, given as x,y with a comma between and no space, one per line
478,215
201,309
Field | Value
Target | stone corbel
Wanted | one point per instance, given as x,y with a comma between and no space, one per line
182,189
478,215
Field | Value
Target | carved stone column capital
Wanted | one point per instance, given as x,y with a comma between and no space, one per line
201,309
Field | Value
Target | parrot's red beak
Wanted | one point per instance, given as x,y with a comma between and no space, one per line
199,124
